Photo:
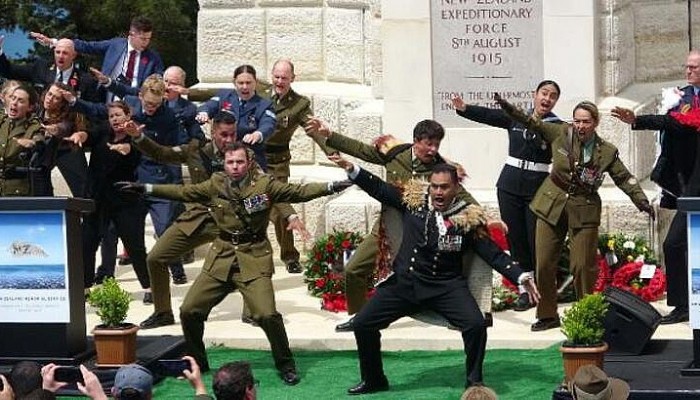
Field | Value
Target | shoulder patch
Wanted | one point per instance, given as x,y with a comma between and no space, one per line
270,114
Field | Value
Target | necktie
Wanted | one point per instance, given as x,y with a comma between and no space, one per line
60,76
130,66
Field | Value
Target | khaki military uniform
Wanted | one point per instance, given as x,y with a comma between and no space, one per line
14,182
292,111
195,226
568,203
400,167
241,256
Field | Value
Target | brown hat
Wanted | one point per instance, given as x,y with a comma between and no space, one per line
591,383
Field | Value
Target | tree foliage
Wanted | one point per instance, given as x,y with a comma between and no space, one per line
174,31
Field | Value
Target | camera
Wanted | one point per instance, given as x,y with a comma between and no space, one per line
68,374
173,367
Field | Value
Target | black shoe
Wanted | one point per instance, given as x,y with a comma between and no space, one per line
188,258
523,303
156,320
679,314
248,320
148,298
290,377
100,277
345,326
366,387
124,259
179,279
294,267
545,324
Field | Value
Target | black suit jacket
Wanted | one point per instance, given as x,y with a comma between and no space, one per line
420,262
42,74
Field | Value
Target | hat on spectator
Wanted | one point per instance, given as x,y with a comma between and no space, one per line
135,377
591,383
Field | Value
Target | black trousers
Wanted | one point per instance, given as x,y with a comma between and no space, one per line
521,221
676,256
129,224
394,300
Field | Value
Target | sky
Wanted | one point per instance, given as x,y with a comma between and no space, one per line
44,229
17,43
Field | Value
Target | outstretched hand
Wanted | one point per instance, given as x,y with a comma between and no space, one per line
317,126
101,78
532,293
341,161
458,103
41,38
296,224
624,114
339,186
130,187
647,208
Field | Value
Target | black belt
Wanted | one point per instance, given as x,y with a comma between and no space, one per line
241,237
276,148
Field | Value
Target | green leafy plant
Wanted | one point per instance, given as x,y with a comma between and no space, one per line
582,323
112,303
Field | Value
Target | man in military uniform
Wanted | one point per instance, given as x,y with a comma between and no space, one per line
402,162
20,133
195,226
428,269
293,110
241,256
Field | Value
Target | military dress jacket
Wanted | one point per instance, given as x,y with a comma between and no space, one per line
574,184
14,159
523,144
430,263
293,111
254,114
202,159
241,212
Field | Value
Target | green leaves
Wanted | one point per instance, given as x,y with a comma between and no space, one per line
583,322
111,301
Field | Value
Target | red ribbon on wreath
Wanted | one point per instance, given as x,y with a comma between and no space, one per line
627,278
604,274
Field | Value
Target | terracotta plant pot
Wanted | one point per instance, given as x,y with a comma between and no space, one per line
576,356
115,346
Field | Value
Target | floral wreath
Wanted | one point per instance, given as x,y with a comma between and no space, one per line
324,265
627,278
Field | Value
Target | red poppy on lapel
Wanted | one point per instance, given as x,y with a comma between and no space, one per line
226,105
72,82
144,60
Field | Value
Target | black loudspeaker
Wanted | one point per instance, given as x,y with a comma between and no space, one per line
629,323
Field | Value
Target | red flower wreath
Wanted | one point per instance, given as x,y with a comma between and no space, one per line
627,278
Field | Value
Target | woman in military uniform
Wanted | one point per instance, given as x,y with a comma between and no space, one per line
527,166
568,203
21,135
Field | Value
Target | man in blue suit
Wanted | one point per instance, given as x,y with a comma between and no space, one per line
127,60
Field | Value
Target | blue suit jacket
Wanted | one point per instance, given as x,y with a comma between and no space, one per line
114,49
256,115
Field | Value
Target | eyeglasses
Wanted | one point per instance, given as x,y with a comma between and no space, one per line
142,36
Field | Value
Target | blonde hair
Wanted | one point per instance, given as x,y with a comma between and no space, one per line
7,88
590,107
154,84
479,393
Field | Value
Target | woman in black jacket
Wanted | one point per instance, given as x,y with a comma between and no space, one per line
527,165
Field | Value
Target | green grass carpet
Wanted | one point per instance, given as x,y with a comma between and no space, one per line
413,375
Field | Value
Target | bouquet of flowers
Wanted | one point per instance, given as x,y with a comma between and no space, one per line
324,268
619,249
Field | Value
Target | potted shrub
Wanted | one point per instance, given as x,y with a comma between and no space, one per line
582,325
115,340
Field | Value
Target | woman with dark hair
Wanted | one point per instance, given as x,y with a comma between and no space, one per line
255,116
113,159
526,167
567,203
21,135
62,126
